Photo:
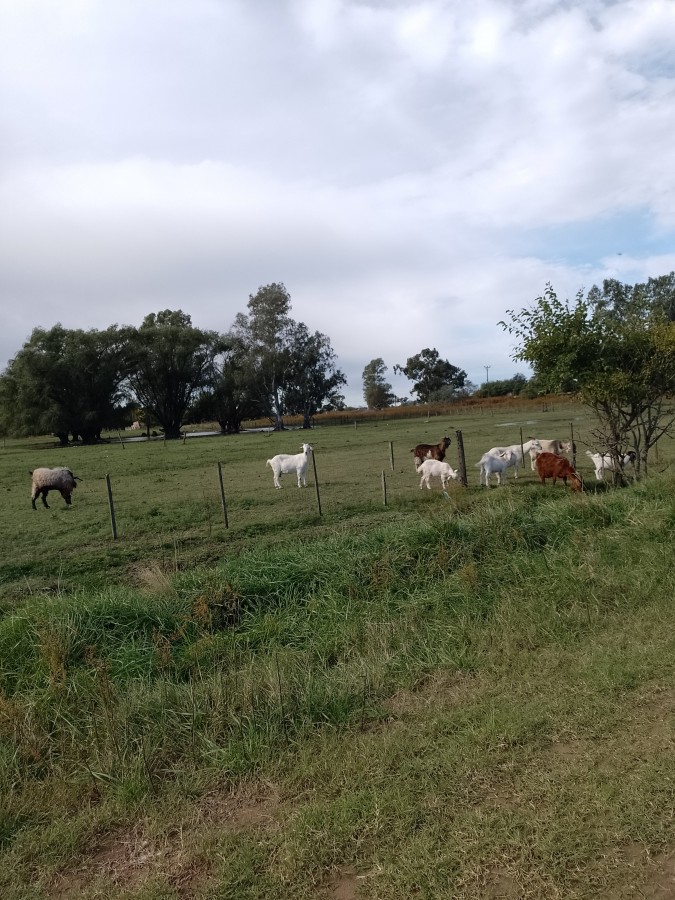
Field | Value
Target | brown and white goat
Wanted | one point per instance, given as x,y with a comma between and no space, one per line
430,451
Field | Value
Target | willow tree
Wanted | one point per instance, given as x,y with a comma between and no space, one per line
171,361
66,382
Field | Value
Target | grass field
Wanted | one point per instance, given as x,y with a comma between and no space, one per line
466,696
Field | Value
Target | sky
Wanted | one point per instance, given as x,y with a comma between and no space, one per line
408,169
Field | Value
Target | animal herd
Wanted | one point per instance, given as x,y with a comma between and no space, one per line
546,458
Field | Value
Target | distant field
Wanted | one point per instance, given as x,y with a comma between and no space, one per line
469,696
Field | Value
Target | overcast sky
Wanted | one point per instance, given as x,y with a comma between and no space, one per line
409,170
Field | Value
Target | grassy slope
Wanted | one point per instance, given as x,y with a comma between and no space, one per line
469,697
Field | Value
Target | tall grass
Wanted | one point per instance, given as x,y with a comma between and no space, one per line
406,674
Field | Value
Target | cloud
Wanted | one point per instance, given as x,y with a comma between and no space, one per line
408,169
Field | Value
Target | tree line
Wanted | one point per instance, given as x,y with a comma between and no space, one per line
75,383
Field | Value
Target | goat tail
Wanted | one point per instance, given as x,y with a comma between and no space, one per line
269,463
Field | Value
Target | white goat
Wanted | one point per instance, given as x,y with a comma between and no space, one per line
544,446
605,462
528,446
431,467
496,464
285,464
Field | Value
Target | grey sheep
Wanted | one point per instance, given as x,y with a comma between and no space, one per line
58,479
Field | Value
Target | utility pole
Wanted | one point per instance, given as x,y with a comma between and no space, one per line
487,380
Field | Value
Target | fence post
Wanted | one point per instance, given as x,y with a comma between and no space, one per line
384,488
522,452
316,480
574,446
391,454
112,508
121,441
461,461
222,495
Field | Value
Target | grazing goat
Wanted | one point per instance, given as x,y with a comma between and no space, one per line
551,466
496,464
528,446
605,462
135,426
557,447
430,451
59,479
285,464
432,467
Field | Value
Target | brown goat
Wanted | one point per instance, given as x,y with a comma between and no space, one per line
551,466
430,451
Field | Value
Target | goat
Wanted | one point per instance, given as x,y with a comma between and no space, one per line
431,467
285,464
430,451
605,462
496,464
528,446
551,466
552,446
59,479
135,426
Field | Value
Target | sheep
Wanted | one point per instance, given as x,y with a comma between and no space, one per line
430,451
285,464
431,467
496,464
58,479
551,466
552,446
528,446
602,462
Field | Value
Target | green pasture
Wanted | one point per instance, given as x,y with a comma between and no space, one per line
168,505
463,696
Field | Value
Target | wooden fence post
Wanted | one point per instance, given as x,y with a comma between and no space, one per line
384,488
574,446
222,495
316,481
112,508
522,452
461,461
391,454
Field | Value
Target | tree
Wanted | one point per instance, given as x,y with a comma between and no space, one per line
620,358
288,370
65,382
503,387
171,362
376,391
429,374
656,296
227,396
313,377
266,333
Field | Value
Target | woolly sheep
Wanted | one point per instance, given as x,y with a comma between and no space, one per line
285,464
435,467
59,479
